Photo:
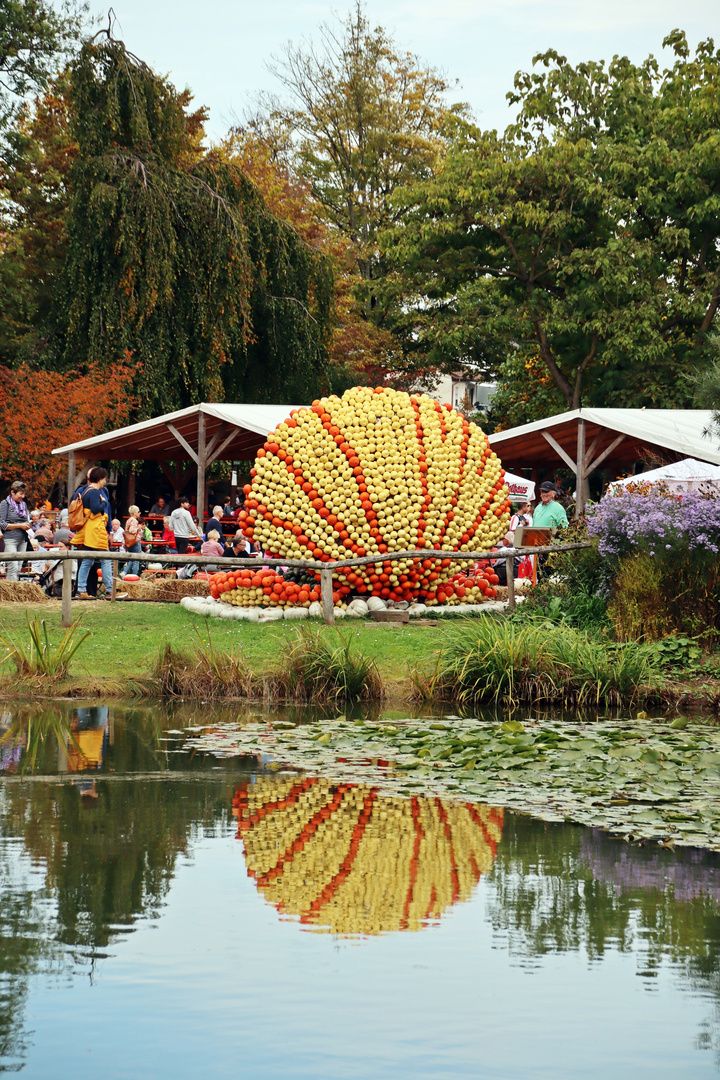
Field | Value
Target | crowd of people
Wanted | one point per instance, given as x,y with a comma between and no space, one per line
87,524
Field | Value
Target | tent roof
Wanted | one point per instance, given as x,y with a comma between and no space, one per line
678,431
687,469
153,439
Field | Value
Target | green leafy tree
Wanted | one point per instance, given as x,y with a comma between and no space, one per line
34,38
594,220
172,255
363,118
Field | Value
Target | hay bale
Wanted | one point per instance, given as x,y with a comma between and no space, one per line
163,590
21,592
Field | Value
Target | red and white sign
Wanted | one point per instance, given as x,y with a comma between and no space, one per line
519,487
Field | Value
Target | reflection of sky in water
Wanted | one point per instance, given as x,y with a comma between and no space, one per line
219,986
533,962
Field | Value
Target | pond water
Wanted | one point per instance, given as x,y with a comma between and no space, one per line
168,915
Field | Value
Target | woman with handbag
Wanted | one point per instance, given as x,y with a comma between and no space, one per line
14,525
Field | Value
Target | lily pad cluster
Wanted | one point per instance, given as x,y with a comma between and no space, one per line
645,779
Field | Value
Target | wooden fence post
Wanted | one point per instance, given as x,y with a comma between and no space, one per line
67,593
510,575
326,595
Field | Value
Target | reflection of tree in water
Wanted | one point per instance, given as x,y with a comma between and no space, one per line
105,864
25,944
345,858
565,888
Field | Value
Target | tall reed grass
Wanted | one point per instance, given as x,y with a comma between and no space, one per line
208,673
321,670
496,661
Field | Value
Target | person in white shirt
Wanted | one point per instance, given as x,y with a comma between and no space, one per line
183,526
523,517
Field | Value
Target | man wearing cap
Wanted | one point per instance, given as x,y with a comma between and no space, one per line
550,514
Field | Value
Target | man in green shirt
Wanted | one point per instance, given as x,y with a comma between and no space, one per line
550,514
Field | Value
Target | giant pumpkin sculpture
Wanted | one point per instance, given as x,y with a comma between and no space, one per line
374,472
344,858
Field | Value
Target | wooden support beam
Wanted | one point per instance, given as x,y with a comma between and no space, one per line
182,440
201,466
559,450
579,470
71,476
606,453
589,453
217,453
179,478
215,440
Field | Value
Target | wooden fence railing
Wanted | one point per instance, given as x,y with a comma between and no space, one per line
326,568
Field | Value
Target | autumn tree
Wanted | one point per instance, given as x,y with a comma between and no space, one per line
40,410
34,176
359,351
365,119
35,39
592,222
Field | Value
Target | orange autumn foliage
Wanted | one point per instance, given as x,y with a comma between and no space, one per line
41,410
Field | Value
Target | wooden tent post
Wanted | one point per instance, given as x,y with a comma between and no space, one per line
71,476
580,470
201,461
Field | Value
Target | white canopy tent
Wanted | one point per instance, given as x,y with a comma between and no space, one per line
678,476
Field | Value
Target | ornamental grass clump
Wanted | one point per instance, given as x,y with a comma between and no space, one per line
320,670
41,657
208,672
497,661
663,548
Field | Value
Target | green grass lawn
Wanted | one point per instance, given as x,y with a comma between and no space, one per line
125,638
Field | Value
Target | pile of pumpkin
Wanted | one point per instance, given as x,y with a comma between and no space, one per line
375,472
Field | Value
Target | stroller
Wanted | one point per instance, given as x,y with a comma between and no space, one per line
51,588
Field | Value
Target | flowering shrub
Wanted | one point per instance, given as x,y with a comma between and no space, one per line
658,523
663,548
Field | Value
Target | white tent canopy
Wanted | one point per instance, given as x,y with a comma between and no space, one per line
586,439
679,476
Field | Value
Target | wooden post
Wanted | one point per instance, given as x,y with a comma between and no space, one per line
71,476
131,489
580,470
510,575
200,499
67,593
326,595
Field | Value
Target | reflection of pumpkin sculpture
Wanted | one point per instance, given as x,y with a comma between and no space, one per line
345,858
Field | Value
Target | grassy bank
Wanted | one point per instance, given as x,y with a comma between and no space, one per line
125,641
161,650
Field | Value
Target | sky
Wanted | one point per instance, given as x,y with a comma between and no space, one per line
220,48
